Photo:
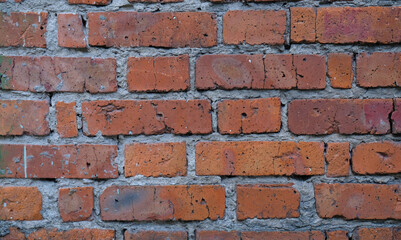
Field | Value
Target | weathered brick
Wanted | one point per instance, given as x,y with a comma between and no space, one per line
259,158
14,233
167,235
66,119
156,159
267,201
377,158
58,161
178,202
90,2
18,117
337,158
131,117
26,29
75,204
70,31
311,235
20,203
303,22
377,233
146,29
337,235
82,234
358,25
311,71
217,235
280,71
254,27
340,70
158,74
229,72
378,69
396,116
358,201
155,1
249,116
344,116
58,74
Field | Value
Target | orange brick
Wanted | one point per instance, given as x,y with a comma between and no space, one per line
303,24
66,119
249,116
20,203
340,70
70,31
75,204
168,235
156,159
337,158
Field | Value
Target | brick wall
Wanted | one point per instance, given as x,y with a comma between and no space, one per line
196,119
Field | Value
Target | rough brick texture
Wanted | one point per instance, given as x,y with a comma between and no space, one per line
70,31
146,117
75,204
267,201
146,203
344,116
58,74
358,201
156,160
20,204
249,116
200,119
58,161
158,74
66,119
259,158
23,29
20,117
254,27
167,29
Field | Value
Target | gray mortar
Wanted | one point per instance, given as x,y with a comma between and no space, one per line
308,219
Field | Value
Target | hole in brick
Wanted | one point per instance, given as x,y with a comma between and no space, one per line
244,115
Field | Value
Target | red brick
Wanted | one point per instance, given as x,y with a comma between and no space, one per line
14,233
90,2
158,74
18,117
284,71
254,27
358,25
178,202
267,201
145,29
75,204
217,235
26,29
168,235
344,116
337,158
337,235
70,31
340,70
377,158
396,116
20,203
229,72
379,69
249,116
66,119
312,235
58,74
358,201
82,234
303,22
259,158
155,1
58,161
131,117
377,233
156,159
310,71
